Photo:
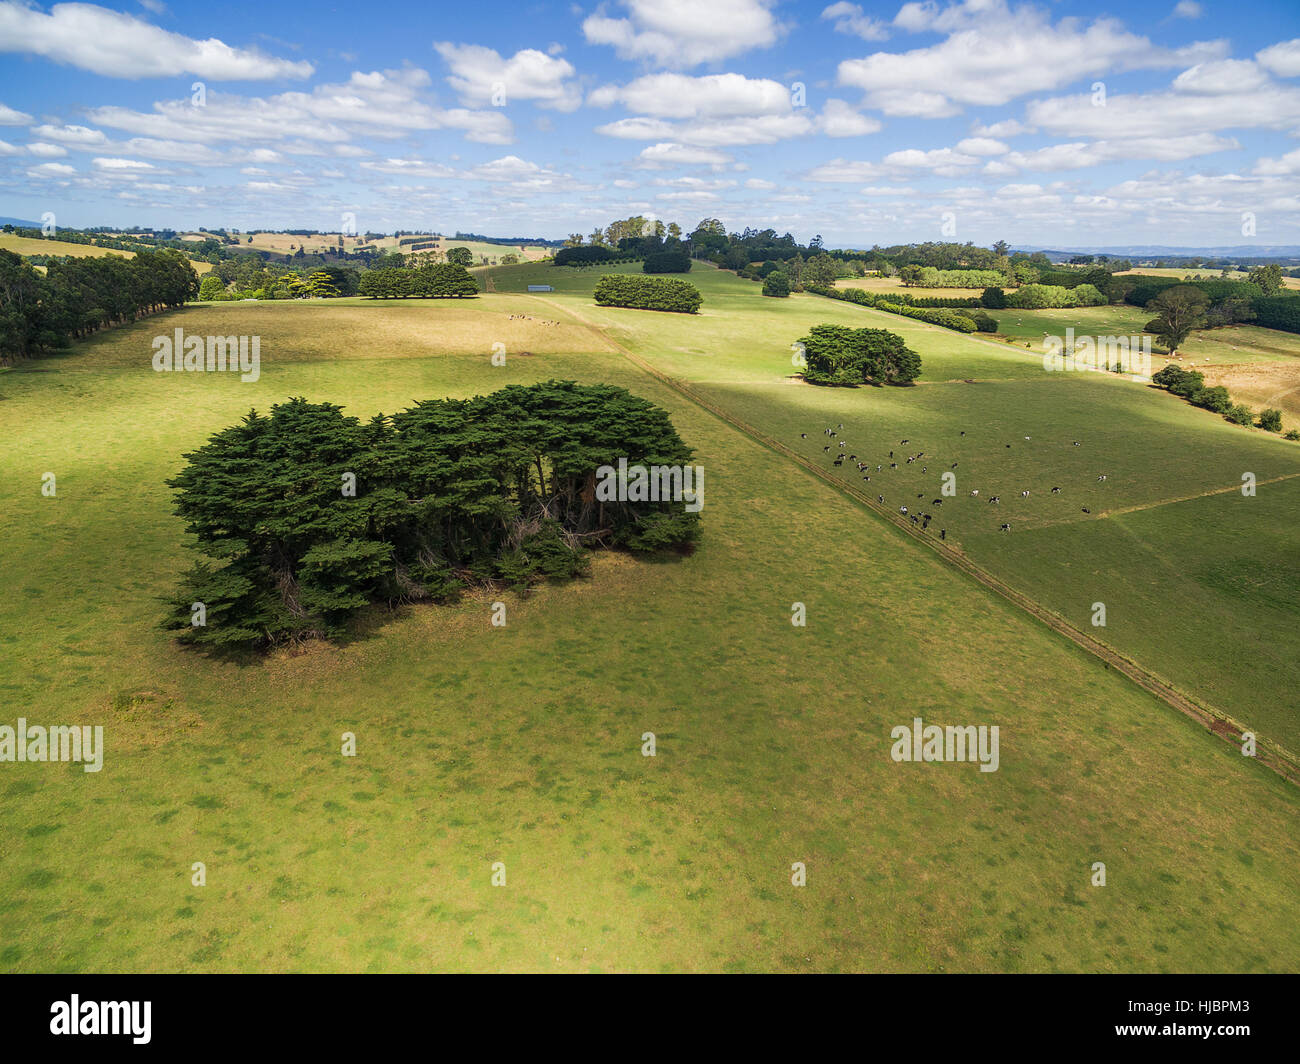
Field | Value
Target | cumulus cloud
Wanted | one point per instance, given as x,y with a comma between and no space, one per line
993,54
851,19
477,73
684,96
123,46
684,33
10,117
1283,59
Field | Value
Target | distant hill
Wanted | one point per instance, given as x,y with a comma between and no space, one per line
19,223
1147,251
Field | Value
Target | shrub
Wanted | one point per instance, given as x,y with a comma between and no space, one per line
776,285
1216,399
984,322
1292,434
648,293
993,299
1239,415
1270,420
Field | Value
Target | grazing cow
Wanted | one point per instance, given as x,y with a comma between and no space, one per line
1005,528
827,447
1008,446
1026,437
853,458
803,435
914,519
1086,510
920,495
893,465
925,469
963,433
891,454
1056,491
953,466
1024,494
1102,477
902,509
880,499
975,492
1076,443
866,477
943,532
903,441
937,502
839,461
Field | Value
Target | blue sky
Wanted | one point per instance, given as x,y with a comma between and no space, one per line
1043,123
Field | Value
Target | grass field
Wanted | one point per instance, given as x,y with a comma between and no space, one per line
287,244
521,744
23,245
1259,367
1200,275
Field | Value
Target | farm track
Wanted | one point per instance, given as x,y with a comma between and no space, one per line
1276,757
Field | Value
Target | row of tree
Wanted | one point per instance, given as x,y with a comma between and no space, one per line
78,296
647,293
438,281
306,515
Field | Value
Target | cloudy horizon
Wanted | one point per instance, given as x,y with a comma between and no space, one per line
1042,124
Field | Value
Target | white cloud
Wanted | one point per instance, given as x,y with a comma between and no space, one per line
1187,9
658,156
683,96
389,104
844,170
851,19
10,117
47,151
76,136
1283,58
838,119
981,146
1165,114
52,170
994,54
1222,76
1082,154
123,46
1288,164
477,72
684,33
135,165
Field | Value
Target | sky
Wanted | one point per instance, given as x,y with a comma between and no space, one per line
1058,124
